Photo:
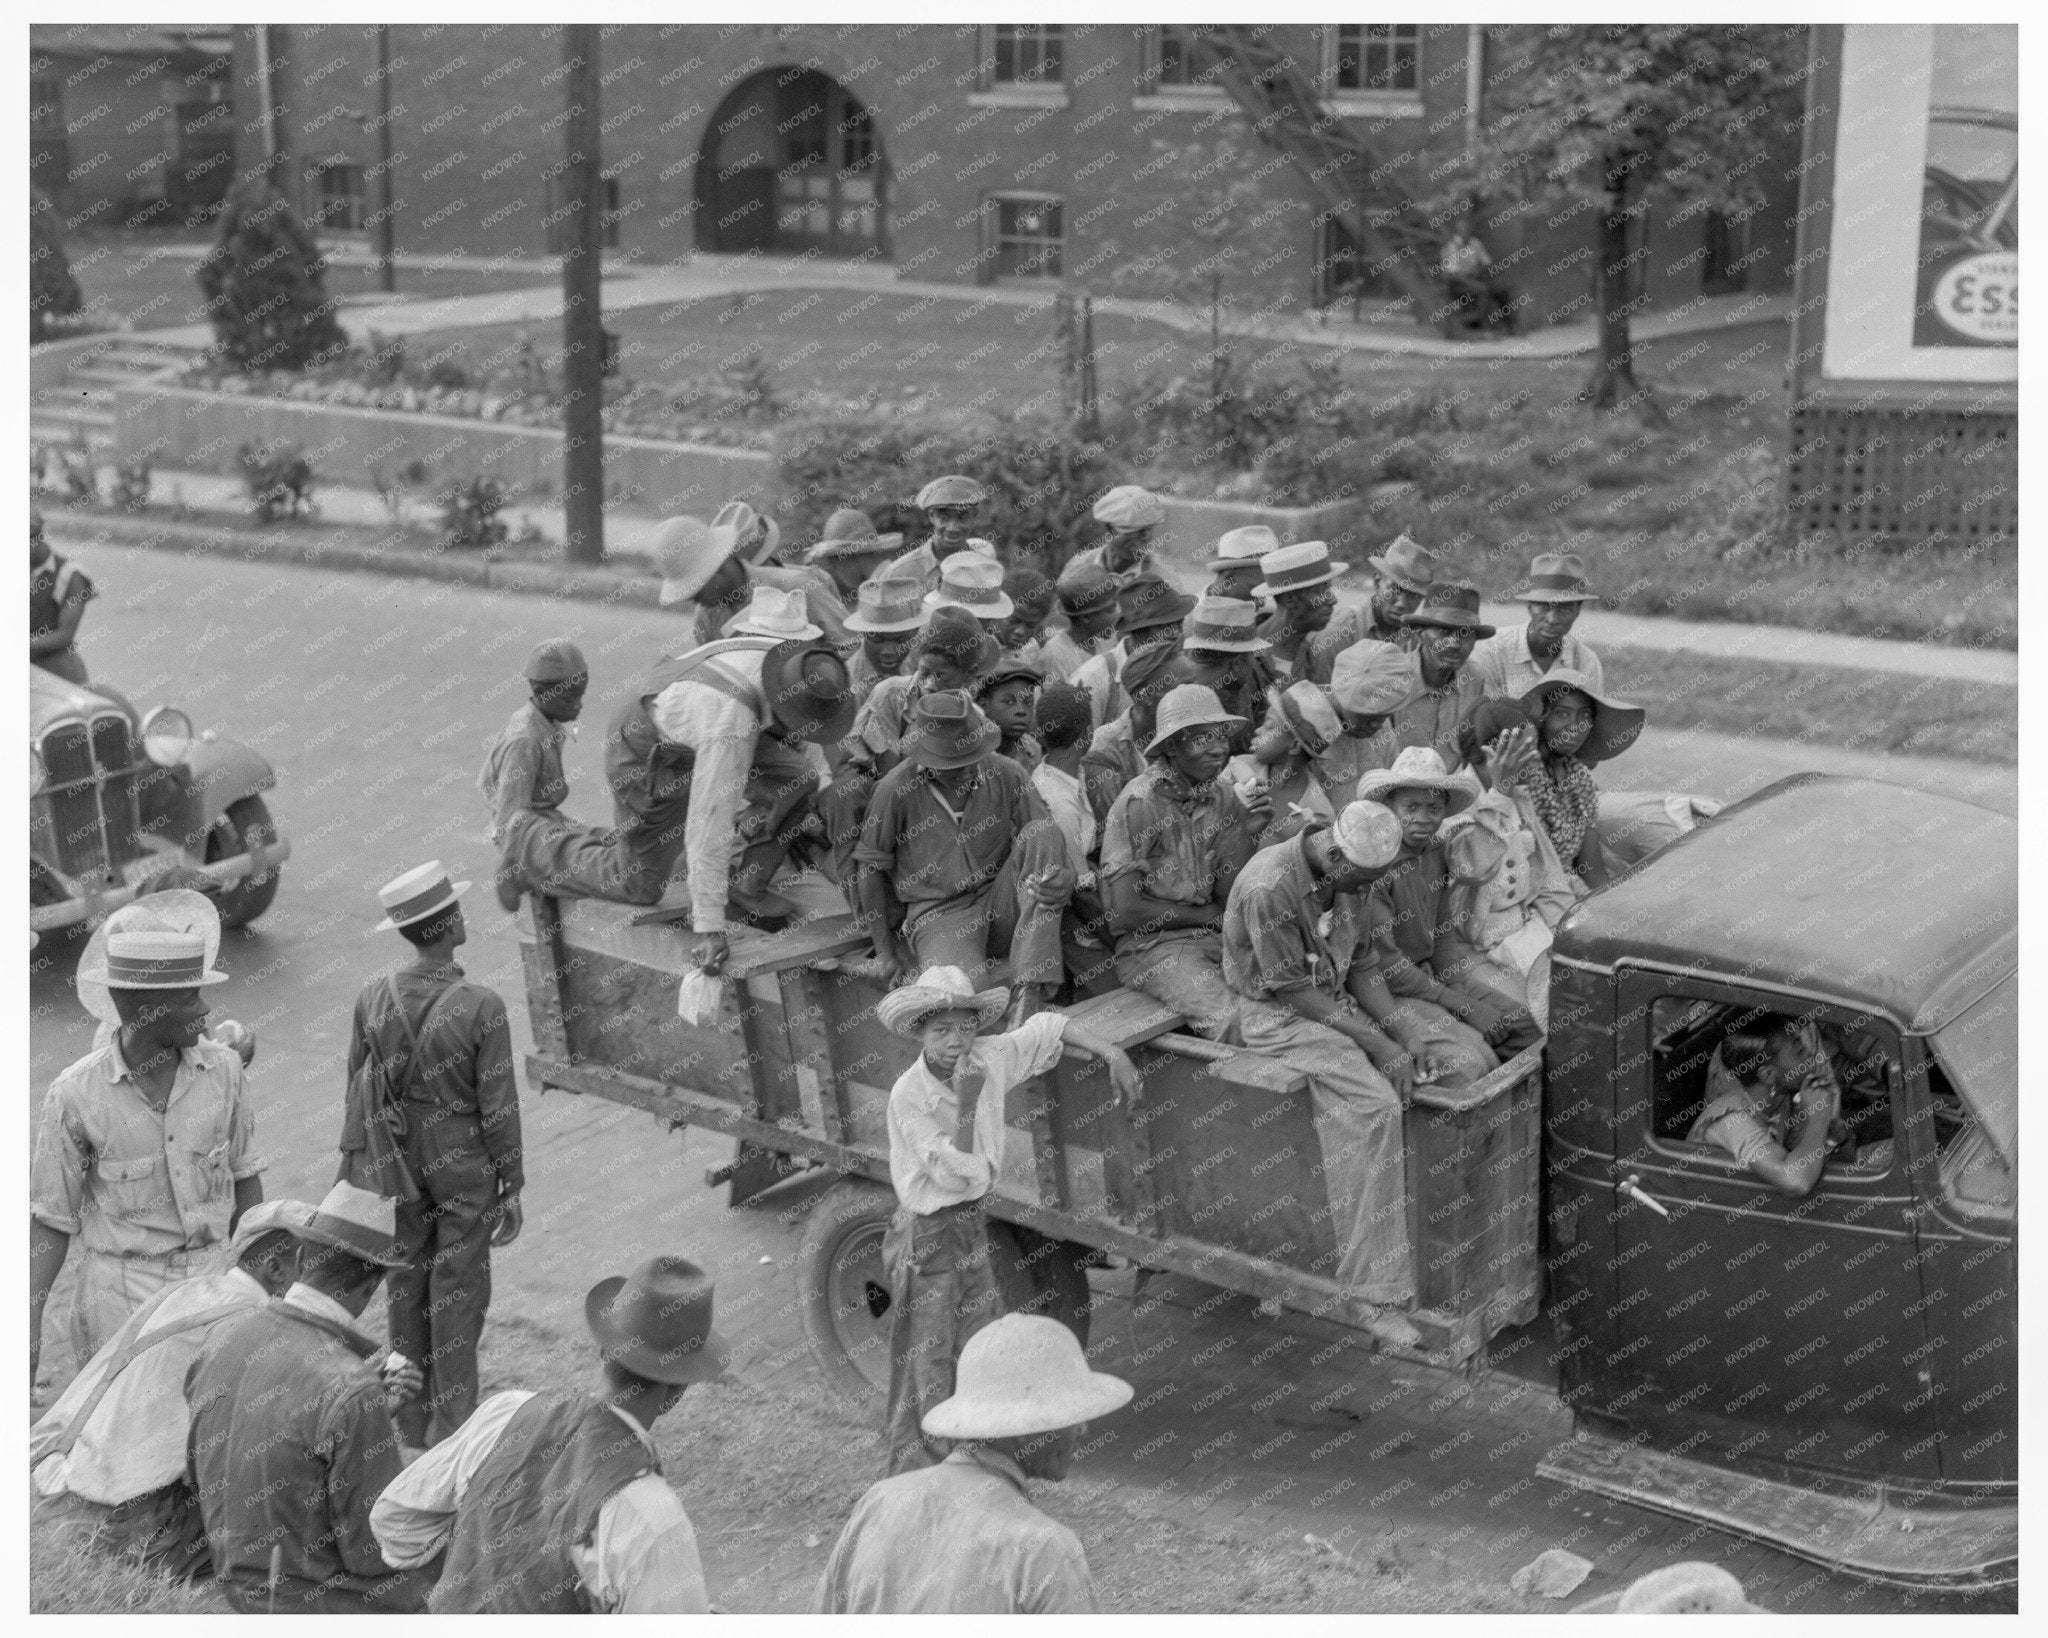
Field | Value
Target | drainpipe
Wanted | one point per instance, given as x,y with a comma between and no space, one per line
269,121
1475,83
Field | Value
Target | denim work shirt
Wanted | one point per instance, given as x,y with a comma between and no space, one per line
1170,832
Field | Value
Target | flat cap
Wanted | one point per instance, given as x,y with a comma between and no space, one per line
951,490
1127,506
555,660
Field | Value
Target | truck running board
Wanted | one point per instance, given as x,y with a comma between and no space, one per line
1866,1531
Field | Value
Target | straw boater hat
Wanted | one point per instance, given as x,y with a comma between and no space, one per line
656,1321
850,532
939,989
1409,564
970,581
1242,548
888,605
417,895
948,730
269,1217
1085,587
1452,605
156,959
172,910
1308,715
1298,567
1189,705
951,490
774,611
556,660
744,521
1149,601
1418,768
358,1222
1128,508
1616,724
1368,834
1224,625
1555,577
689,551
1372,679
1023,1374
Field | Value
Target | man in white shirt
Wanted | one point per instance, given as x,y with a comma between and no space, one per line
554,1502
1516,658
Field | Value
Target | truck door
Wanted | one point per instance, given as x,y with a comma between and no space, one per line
1747,1323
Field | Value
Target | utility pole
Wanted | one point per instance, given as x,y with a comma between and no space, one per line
277,70
582,294
387,221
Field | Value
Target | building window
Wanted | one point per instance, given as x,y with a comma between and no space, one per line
46,105
340,208
556,219
1169,62
1725,265
1027,236
1022,54
1377,57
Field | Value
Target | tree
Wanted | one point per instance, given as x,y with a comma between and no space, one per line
264,282
52,288
1622,117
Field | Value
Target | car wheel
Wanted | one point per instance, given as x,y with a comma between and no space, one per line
245,823
843,1289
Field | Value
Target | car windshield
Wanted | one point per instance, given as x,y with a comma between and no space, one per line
1979,1050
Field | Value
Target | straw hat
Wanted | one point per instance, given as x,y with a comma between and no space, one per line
888,605
1239,548
1190,705
1409,564
850,532
1417,768
1225,625
1296,568
1148,601
1023,1374
1128,507
689,551
776,612
951,490
974,582
1452,605
173,910
416,895
1372,679
270,1217
1309,716
556,660
1677,1589
354,1220
1616,724
809,692
1555,577
939,989
749,525
947,730
656,1321
1368,834
156,959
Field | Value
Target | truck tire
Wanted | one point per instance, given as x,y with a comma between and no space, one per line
245,823
842,1288
1037,1274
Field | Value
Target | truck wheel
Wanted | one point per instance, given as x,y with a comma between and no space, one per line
246,823
1037,1274
842,1288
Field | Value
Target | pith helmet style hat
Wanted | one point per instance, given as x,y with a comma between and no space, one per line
970,581
1555,577
1190,705
1149,601
888,605
270,1217
1418,768
1226,625
1023,1374
656,1321
775,611
418,894
1371,679
170,910
1452,605
556,660
1677,1589
1409,564
809,692
689,551
757,535
1298,567
948,730
1616,724
356,1221
1127,506
850,532
1309,716
1240,548
156,959
1085,587
939,989
951,490
1368,834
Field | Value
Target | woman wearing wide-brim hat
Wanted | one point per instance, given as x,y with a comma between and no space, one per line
1573,728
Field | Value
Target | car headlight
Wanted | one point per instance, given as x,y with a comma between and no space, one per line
38,775
166,736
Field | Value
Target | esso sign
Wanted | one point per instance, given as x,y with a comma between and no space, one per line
1980,298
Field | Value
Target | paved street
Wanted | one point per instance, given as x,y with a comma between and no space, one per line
374,698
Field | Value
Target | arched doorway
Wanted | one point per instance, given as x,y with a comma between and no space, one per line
792,161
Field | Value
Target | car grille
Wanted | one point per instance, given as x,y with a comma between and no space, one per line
91,796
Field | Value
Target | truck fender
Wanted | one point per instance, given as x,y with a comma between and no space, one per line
223,771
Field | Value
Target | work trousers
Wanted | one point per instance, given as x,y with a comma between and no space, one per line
163,1527
1456,1045
1087,947
652,806
844,808
550,853
1358,1122
941,1291
111,1287
437,1300
1186,974
977,930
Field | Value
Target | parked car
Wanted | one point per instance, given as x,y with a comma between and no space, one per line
117,800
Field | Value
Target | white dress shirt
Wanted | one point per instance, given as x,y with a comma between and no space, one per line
924,1113
1067,800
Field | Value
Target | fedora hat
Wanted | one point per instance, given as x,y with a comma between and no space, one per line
951,490
974,582
888,605
156,959
747,526
850,532
1409,564
809,691
1242,548
1225,625
1023,1374
688,551
1189,705
1149,601
775,611
656,1321
1085,587
947,730
1452,605
1371,679
556,660
1616,724
955,632
416,895
1128,506
1298,567
939,989
1555,577
168,910
1416,768
269,1217
1309,716
1368,834
354,1220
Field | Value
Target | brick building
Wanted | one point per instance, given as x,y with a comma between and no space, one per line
959,153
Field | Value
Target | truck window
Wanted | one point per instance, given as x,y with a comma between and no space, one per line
1974,1175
